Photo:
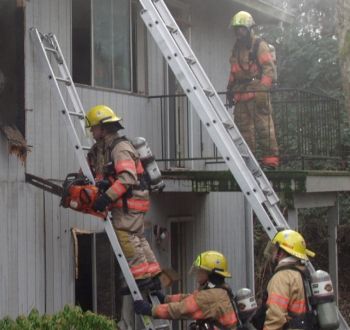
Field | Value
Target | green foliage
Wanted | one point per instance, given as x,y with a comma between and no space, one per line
70,318
307,51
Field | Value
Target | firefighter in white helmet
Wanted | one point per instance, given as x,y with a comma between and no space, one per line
117,169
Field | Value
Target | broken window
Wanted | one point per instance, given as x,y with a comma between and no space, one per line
108,45
97,273
12,64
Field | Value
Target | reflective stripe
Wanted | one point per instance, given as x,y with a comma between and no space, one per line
265,58
244,96
191,304
298,307
125,165
235,68
161,311
154,268
266,80
133,204
228,319
174,297
139,168
198,315
118,188
139,270
275,299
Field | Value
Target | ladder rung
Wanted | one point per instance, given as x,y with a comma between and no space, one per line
75,114
227,124
50,49
172,28
65,80
208,92
190,60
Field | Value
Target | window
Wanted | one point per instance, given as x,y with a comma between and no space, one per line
109,45
12,65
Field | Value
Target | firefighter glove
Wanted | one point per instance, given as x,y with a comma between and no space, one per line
101,203
143,307
103,185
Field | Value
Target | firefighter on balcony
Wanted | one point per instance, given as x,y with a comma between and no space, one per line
211,305
286,302
114,158
252,72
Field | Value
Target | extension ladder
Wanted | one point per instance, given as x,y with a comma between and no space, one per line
213,114
62,79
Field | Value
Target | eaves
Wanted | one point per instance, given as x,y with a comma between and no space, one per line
271,12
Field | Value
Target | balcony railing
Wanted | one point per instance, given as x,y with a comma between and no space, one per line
308,130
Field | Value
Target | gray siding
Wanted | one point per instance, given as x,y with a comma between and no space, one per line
217,224
36,252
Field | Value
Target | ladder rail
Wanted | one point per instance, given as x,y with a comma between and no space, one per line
155,14
68,120
164,14
212,121
77,105
108,226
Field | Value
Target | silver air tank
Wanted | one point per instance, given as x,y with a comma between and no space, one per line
323,300
149,163
246,304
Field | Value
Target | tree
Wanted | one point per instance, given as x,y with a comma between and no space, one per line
343,32
307,50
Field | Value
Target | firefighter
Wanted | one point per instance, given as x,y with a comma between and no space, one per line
211,305
251,76
286,302
117,169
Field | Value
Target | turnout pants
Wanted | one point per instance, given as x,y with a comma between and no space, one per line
129,228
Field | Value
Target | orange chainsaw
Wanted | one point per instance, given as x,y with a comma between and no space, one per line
76,192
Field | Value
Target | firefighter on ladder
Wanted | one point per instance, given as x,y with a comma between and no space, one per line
211,305
118,170
252,72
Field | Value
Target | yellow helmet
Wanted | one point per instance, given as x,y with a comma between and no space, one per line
293,243
212,261
242,18
100,114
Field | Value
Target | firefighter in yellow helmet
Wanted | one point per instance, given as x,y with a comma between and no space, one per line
117,169
285,300
251,76
210,305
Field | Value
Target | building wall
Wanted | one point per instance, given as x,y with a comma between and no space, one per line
36,250
212,221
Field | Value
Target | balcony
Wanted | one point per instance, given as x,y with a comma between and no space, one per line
308,129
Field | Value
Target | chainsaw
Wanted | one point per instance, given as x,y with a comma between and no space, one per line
77,193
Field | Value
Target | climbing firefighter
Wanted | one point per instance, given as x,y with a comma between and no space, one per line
210,306
286,301
252,73
118,172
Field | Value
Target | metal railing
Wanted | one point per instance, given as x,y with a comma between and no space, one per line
307,125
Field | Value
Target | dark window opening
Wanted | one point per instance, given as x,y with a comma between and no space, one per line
81,39
12,64
96,258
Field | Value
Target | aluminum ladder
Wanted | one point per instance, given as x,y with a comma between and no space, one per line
61,78
213,114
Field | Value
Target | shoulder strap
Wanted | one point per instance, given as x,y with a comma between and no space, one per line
118,140
253,55
306,282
